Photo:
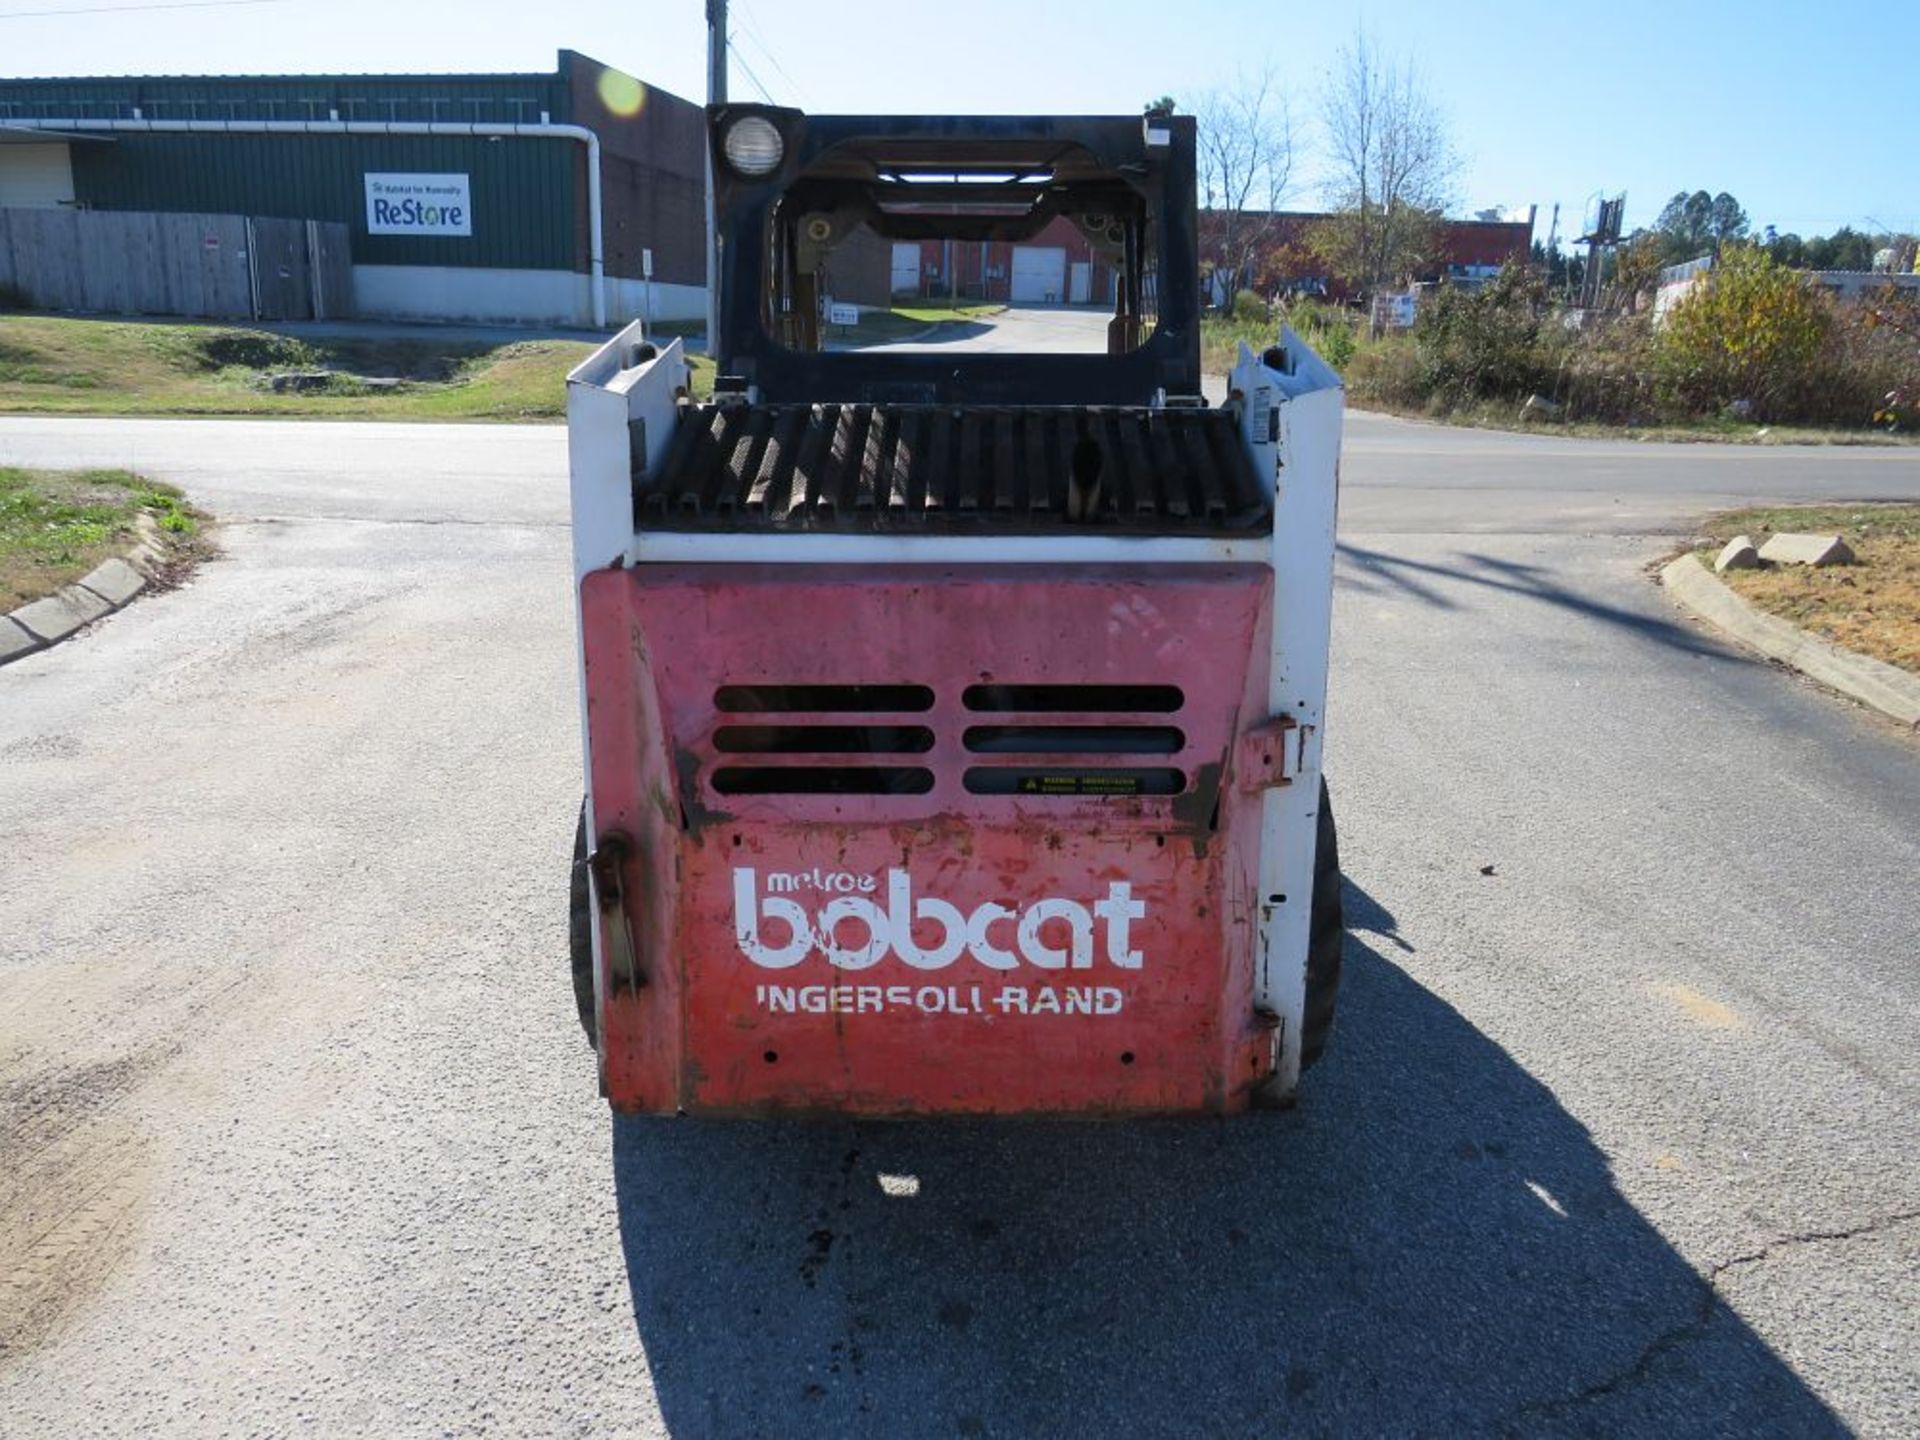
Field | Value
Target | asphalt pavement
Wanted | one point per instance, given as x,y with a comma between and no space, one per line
1013,330
300,1138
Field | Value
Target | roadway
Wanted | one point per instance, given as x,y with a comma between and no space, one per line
300,1136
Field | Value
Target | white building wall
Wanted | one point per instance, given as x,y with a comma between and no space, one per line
513,297
641,300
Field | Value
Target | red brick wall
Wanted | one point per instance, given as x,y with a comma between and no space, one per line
997,255
1484,242
652,178
1287,258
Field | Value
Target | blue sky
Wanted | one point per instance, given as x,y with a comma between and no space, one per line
1810,115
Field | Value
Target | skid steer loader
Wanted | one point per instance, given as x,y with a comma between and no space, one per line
953,717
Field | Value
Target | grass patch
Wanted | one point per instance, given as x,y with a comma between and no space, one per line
935,312
1872,607
61,365
904,322
56,525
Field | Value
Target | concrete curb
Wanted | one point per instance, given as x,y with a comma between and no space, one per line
109,585
1885,687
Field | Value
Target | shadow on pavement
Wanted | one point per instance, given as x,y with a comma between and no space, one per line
1429,1244
1376,570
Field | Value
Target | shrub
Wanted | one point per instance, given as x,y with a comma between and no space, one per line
1247,305
1603,369
1387,372
1484,343
1872,364
1752,334
254,349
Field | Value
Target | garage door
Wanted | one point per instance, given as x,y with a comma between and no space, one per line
1039,274
35,177
906,270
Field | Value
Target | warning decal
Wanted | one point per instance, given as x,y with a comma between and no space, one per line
1103,782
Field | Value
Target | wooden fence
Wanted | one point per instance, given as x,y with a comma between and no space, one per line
230,267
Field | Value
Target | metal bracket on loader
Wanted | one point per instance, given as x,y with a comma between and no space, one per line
1272,754
608,863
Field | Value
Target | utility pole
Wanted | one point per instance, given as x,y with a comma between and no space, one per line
716,95
716,52
1553,243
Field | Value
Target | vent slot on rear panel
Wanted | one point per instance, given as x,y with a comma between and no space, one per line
1074,740
823,739
816,722
1057,699
1082,730
840,699
823,780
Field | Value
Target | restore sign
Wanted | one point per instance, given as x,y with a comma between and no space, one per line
419,205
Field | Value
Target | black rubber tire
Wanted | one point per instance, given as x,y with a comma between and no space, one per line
1327,935
580,931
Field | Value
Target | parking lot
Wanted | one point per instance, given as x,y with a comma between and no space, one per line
1616,1133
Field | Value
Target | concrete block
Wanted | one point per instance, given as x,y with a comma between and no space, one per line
1738,554
61,613
115,581
149,559
85,601
15,640
1807,550
151,556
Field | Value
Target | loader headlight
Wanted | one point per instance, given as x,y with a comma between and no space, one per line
753,146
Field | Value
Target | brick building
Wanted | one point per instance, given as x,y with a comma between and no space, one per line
1468,250
1056,267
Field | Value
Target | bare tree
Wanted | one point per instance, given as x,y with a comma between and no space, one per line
1246,169
1392,167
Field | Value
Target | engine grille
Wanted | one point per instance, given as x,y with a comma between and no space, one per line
922,468
1069,741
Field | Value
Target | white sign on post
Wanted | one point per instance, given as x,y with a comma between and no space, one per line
838,314
419,205
646,264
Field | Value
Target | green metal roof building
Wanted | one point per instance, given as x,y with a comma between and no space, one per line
469,197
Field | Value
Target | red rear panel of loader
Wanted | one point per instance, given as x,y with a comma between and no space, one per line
929,839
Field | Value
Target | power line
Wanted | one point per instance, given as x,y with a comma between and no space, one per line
766,50
125,9
741,61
